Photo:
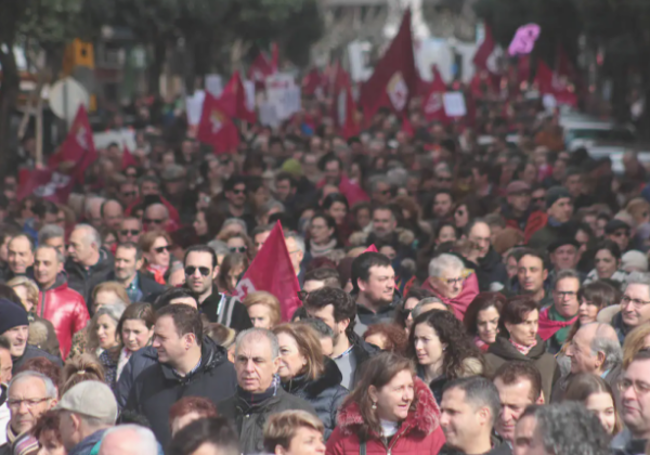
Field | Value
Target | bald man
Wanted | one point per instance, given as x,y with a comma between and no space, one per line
594,349
128,440
155,218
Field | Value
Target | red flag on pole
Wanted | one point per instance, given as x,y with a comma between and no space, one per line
233,100
485,50
433,107
260,69
272,271
312,82
346,109
48,184
216,128
395,79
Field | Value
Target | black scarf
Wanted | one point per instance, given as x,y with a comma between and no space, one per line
248,400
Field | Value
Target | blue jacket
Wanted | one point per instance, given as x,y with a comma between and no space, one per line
86,446
139,361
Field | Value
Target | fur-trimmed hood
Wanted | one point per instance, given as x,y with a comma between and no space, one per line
425,418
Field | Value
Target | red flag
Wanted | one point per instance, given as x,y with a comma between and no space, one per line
352,191
233,100
260,69
311,82
127,158
564,65
371,249
275,56
433,107
395,79
48,184
549,83
272,271
407,127
544,77
346,109
78,146
485,50
523,68
216,128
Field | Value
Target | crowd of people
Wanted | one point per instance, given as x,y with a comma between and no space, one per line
504,308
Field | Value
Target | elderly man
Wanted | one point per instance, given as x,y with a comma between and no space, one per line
188,364
93,211
30,395
594,349
112,213
486,262
559,429
564,254
519,385
556,321
469,410
257,359
88,263
449,281
87,410
373,286
635,305
635,410
296,248
128,262
128,440
64,307
54,236
20,256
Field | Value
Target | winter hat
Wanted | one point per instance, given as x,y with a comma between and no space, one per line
293,167
11,315
555,193
634,261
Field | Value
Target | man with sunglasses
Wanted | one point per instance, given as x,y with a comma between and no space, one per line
128,193
156,218
235,204
112,213
130,230
201,270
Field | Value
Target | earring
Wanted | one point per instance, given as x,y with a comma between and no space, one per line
374,406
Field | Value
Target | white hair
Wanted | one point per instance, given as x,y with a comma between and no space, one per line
638,278
50,389
145,442
444,262
92,233
300,242
237,221
90,202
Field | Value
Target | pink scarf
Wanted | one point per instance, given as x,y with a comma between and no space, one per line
521,348
459,303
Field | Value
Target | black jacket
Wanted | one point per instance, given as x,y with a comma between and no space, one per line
148,286
499,447
249,423
157,388
139,361
489,269
84,281
232,313
325,394
30,353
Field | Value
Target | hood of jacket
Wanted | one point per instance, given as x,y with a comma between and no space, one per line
212,355
503,348
331,377
424,419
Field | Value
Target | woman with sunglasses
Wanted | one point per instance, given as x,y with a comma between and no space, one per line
156,247
232,269
238,243
607,262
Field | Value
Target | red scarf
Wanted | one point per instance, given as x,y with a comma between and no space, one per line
459,303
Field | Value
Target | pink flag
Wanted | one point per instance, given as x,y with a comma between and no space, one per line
271,271
524,40
371,249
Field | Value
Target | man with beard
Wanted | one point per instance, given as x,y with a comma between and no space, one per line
559,210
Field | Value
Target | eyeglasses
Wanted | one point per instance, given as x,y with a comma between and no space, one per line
640,388
563,294
237,249
29,403
302,295
160,249
237,192
625,300
152,221
454,280
126,232
190,270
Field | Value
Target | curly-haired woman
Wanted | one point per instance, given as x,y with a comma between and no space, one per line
443,351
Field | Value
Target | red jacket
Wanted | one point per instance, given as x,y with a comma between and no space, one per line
66,310
419,434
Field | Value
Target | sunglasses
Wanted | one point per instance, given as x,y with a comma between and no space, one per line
539,199
237,249
126,232
160,249
237,192
189,270
152,221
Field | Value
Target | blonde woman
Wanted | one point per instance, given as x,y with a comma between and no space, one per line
41,331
